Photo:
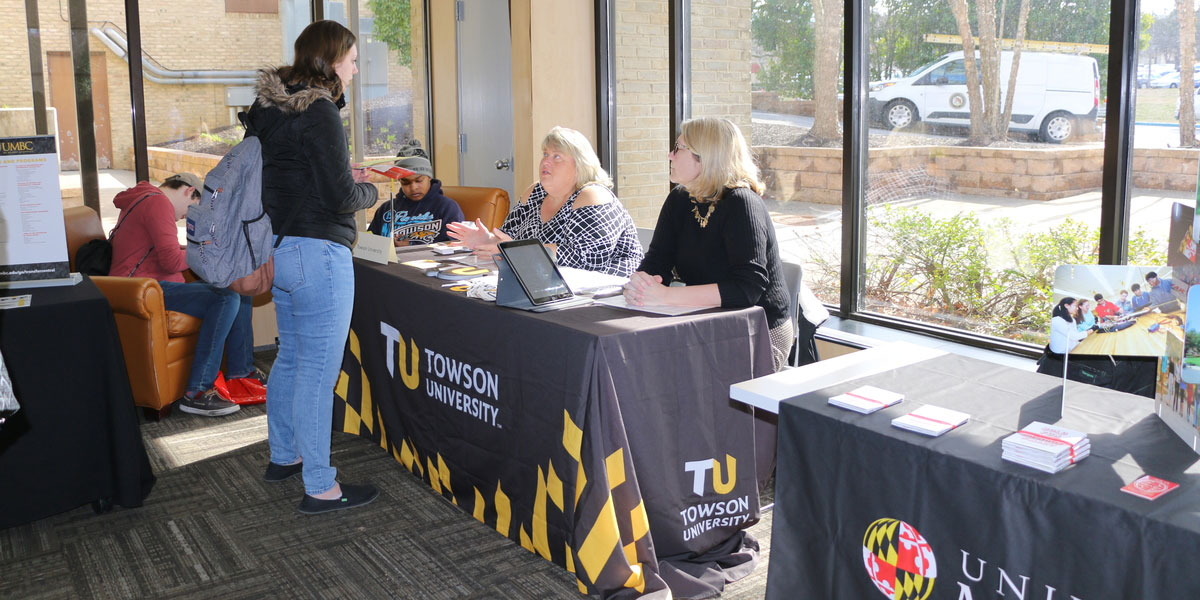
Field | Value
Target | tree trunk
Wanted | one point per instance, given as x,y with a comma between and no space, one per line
974,100
828,39
1022,19
989,57
1187,58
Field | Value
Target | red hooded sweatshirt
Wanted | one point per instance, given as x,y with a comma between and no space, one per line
147,231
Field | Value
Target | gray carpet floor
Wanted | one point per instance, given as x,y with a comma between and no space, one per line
213,529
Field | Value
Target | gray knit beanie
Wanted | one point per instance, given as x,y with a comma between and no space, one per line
414,158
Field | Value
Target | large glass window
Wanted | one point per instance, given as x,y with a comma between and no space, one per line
57,90
391,63
1164,165
795,69
985,159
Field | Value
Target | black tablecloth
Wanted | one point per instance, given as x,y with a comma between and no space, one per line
602,439
851,486
76,438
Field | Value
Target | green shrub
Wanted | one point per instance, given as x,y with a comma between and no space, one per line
993,279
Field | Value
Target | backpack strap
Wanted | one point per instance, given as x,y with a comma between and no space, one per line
118,225
122,219
139,263
262,137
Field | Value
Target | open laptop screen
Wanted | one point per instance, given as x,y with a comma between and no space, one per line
536,272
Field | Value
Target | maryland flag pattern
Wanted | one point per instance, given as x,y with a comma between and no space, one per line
898,560
582,509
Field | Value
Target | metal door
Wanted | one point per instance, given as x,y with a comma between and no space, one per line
62,98
485,114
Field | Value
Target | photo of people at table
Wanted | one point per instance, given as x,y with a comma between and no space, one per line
1117,310
1189,359
1174,391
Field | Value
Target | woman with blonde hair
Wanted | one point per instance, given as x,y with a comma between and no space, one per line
714,232
571,208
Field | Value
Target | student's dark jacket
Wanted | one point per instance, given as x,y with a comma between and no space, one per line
306,162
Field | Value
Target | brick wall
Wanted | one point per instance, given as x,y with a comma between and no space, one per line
720,87
643,109
191,36
721,60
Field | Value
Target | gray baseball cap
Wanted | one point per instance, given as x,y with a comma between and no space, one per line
187,179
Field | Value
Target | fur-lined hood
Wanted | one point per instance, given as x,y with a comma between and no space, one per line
272,92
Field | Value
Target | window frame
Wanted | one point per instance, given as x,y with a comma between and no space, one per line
1114,202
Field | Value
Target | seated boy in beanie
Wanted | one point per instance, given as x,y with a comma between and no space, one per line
420,213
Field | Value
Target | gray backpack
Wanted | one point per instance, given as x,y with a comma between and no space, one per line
228,232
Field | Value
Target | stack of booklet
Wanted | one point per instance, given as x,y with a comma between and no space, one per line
866,399
931,420
1046,447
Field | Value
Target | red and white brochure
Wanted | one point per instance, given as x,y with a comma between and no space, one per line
1149,487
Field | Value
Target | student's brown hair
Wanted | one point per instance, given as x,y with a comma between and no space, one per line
318,48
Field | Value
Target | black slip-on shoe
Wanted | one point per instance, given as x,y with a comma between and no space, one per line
352,496
276,472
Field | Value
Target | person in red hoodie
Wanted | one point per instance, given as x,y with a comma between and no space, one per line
146,244
1105,309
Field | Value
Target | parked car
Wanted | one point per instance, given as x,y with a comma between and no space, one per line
1170,80
1195,104
1054,93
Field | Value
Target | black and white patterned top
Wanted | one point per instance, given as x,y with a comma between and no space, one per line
599,237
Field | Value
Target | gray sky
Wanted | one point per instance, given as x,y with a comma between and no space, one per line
1157,7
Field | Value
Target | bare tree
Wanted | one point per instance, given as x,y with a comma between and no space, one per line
1187,58
1022,20
989,115
826,128
974,99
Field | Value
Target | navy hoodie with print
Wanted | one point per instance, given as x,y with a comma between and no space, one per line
421,222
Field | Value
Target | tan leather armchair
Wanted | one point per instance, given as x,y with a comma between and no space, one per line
158,344
487,204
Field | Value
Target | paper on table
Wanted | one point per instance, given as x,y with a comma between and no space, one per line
15,301
586,283
618,301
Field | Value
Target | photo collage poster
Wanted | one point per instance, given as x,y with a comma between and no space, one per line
1116,310
1179,366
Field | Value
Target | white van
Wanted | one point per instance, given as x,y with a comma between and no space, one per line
1054,93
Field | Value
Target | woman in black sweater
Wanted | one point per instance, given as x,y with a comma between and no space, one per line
715,235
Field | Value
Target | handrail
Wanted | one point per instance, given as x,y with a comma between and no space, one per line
114,39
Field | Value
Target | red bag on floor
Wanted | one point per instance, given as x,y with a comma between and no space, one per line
244,390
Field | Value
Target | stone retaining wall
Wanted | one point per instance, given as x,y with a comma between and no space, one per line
815,174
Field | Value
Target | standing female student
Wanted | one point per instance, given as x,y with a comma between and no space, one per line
307,178
715,233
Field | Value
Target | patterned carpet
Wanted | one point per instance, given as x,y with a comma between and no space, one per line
213,529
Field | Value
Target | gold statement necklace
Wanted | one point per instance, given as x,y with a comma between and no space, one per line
702,219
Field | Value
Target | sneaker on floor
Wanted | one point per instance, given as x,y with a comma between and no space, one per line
208,404
352,496
257,375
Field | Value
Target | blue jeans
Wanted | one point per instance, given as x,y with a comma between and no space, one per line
314,297
225,326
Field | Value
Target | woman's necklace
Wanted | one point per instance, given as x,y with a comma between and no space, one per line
702,219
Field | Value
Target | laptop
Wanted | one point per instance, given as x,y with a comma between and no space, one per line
540,286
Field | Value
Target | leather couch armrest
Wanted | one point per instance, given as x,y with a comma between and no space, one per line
134,296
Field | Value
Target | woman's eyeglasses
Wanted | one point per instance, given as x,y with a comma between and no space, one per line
679,147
